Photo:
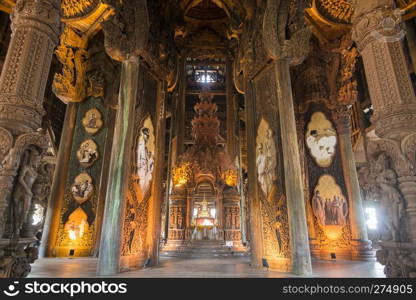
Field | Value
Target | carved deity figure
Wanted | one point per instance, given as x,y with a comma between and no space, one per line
92,121
392,205
266,162
22,196
145,160
87,153
83,188
318,206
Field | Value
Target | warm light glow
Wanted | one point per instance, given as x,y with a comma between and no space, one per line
76,231
72,235
230,177
182,174
77,225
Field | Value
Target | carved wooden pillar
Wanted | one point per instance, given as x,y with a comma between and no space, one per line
391,90
300,126
359,237
378,33
232,113
157,185
35,33
108,263
256,240
179,118
50,228
301,259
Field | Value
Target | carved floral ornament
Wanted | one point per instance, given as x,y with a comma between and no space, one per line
321,139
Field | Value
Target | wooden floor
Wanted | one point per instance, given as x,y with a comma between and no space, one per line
200,268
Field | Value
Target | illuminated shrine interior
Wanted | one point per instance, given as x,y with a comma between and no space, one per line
208,138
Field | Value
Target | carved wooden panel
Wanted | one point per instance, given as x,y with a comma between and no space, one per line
77,225
331,235
276,240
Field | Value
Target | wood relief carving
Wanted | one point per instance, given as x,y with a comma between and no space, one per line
92,121
328,203
138,196
135,222
77,8
379,182
22,196
145,152
321,139
87,153
266,157
71,85
83,188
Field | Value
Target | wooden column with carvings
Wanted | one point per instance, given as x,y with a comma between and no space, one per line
301,259
256,239
157,185
232,114
50,227
378,33
361,246
108,263
35,33
69,87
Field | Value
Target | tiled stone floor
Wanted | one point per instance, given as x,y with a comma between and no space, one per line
200,268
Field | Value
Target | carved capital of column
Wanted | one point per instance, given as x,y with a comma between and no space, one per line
36,27
43,15
379,23
378,33
126,32
294,49
342,120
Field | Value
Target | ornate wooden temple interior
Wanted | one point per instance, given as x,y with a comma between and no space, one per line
280,131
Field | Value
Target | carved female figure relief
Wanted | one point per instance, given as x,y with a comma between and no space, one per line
266,157
87,153
22,196
145,155
321,139
392,205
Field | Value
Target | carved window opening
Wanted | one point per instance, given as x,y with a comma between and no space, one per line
204,72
